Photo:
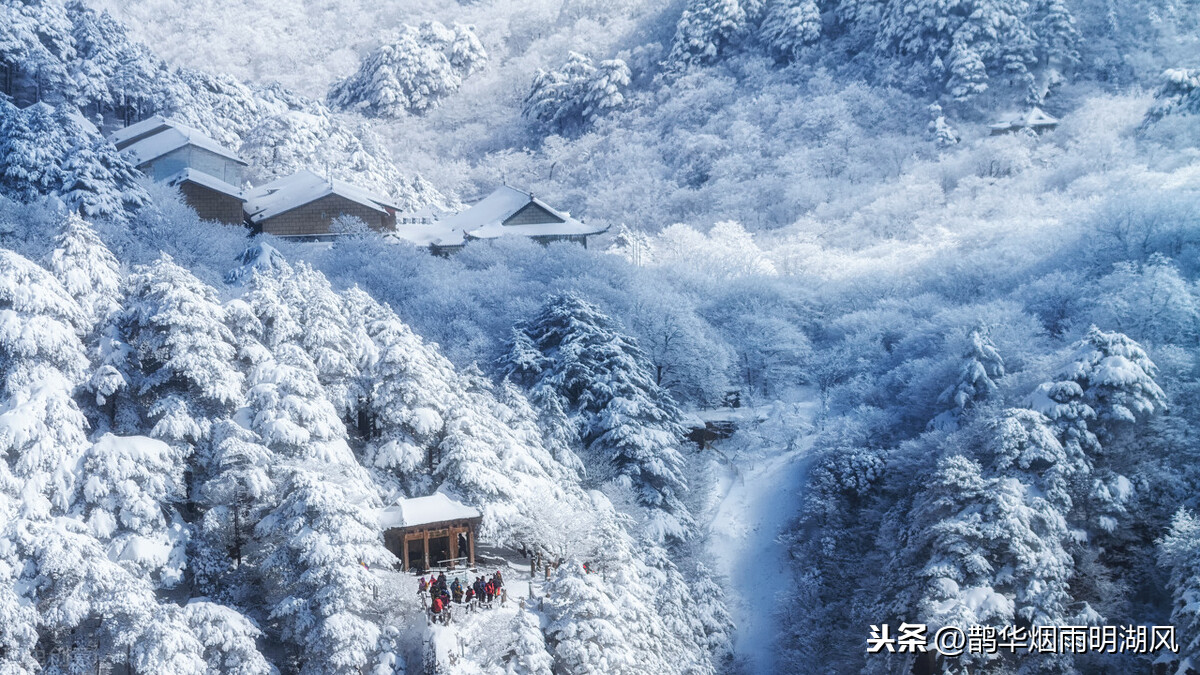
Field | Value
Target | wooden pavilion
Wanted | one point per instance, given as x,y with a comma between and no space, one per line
433,531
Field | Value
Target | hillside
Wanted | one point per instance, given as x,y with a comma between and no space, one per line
947,359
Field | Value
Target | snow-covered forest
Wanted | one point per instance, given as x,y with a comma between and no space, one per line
941,374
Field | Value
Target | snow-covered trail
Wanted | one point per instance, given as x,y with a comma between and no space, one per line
760,489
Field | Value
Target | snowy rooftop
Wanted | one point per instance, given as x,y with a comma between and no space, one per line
207,180
1034,117
136,129
487,219
284,194
436,508
171,138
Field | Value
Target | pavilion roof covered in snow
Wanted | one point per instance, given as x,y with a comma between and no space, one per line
436,508
304,187
509,211
159,139
1035,119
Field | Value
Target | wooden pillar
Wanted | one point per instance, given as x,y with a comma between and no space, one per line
427,565
404,553
453,536
471,545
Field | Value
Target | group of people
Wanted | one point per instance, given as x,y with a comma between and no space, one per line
483,592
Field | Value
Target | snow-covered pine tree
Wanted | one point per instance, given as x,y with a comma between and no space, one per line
326,335
789,27
571,99
706,30
182,365
132,485
627,422
586,627
42,431
1179,553
99,181
981,366
317,544
87,270
228,639
175,326
238,493
1179,94
412,72
288,409
528,655
32,146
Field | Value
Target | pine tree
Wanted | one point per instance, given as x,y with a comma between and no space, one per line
100,182
1179,553
228,639
42,431
790,27
981,366
290,412
316,543
234,499
326,335
586,626
412,72
706,30
32,146
571,99
528,655
627,421
175,328
132,483
87,270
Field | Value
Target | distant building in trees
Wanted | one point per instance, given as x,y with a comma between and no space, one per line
162,148
433,531
207,173
306,205
505,212
211,197
1035,119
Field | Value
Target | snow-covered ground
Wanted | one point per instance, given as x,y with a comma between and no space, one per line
759,488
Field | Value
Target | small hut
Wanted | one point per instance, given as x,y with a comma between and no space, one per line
433,531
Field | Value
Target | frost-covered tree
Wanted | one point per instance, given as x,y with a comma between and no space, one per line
99,181
1179,553
228,639
707,30
981,366
325,334
87,270
183,352
283,143
1116,377
412,72
238,493
586,625
789,27
626,420
528,655
32,145
42,361
289,411
407,402
319,595
572,98
1179,94
133,485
